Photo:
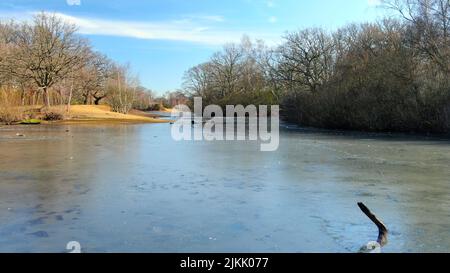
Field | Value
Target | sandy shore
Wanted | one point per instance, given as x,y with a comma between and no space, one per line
93,114
103,113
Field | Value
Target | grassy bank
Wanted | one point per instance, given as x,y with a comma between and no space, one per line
103,113
83,114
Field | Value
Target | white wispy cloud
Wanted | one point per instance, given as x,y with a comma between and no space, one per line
212,18
193,29
273,19
73,2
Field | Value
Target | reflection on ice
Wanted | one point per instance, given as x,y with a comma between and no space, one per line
132,188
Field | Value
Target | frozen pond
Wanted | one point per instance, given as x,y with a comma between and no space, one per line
131,188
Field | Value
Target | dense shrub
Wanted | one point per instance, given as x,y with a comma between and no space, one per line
155,107
52,115
392,75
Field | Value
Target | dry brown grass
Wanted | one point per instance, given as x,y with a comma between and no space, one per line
103,113
10,115
10,110
166,110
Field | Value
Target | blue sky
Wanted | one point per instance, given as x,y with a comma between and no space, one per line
163,38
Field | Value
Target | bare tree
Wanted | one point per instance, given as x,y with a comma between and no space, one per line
429,25
122,89
306,58
235,75
91,79
46,52
198,81
226,69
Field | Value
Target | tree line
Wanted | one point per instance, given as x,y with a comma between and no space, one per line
391,75
45,62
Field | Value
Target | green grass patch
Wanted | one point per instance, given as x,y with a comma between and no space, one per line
30,122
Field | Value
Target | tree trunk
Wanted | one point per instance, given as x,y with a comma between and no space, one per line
97,100
46,97
22,95
85,101
35,98
70,98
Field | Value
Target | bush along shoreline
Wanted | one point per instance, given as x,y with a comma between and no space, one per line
389,76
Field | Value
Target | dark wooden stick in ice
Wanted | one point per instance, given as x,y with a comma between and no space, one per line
382,229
